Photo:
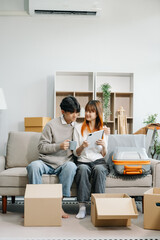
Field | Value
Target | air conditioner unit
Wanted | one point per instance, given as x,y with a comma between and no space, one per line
66,7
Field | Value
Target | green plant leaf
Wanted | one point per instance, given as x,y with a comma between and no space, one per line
151,119
158,149
106,99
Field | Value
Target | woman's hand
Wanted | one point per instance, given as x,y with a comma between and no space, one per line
85,144
81,148
106,130
101,142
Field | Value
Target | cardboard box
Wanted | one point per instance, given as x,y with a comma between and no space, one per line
34,129
43,205
35,124
112,209
152,209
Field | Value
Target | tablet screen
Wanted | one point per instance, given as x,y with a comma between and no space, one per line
93,137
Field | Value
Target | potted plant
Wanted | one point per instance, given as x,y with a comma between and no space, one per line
155,150
151,119
106,100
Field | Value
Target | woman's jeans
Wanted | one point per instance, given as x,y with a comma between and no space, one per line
66,174
90,177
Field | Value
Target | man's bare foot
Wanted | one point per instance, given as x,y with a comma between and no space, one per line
64,215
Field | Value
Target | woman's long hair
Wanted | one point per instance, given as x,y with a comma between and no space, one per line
93,106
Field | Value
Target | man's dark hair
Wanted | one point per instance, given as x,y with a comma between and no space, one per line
70,104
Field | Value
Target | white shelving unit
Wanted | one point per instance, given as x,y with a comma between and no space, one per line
121,95
77,84
87,85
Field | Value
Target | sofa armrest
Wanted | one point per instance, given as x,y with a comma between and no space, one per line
155,168
2,163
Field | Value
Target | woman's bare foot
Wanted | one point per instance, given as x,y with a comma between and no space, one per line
64,215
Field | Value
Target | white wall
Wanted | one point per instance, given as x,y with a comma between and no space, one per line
126,38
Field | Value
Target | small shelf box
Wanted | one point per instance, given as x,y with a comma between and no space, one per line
35,124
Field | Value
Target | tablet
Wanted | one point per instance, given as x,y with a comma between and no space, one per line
93,137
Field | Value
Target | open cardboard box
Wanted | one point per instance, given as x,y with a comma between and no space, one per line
112,209
43,205
152,209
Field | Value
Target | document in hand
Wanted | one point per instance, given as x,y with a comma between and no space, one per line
93,137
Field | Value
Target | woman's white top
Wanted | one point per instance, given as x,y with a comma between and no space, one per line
87,155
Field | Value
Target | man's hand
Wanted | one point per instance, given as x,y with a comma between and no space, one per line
65,145
106,130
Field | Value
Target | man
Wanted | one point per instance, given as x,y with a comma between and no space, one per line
55,157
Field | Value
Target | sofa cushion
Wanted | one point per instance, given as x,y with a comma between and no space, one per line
14,177
143,181
22,148
17,177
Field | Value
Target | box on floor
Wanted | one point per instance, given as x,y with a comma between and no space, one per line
112,209
43,205
152,209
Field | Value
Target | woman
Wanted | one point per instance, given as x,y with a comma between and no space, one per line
92,169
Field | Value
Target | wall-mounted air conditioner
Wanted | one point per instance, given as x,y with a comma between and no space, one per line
66,7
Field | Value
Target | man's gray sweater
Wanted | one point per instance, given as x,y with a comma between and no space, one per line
54,133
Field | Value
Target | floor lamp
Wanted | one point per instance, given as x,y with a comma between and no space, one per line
3,104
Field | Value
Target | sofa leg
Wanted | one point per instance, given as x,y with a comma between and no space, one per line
13,199
4,204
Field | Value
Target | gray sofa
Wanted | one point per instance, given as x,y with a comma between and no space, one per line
22,149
